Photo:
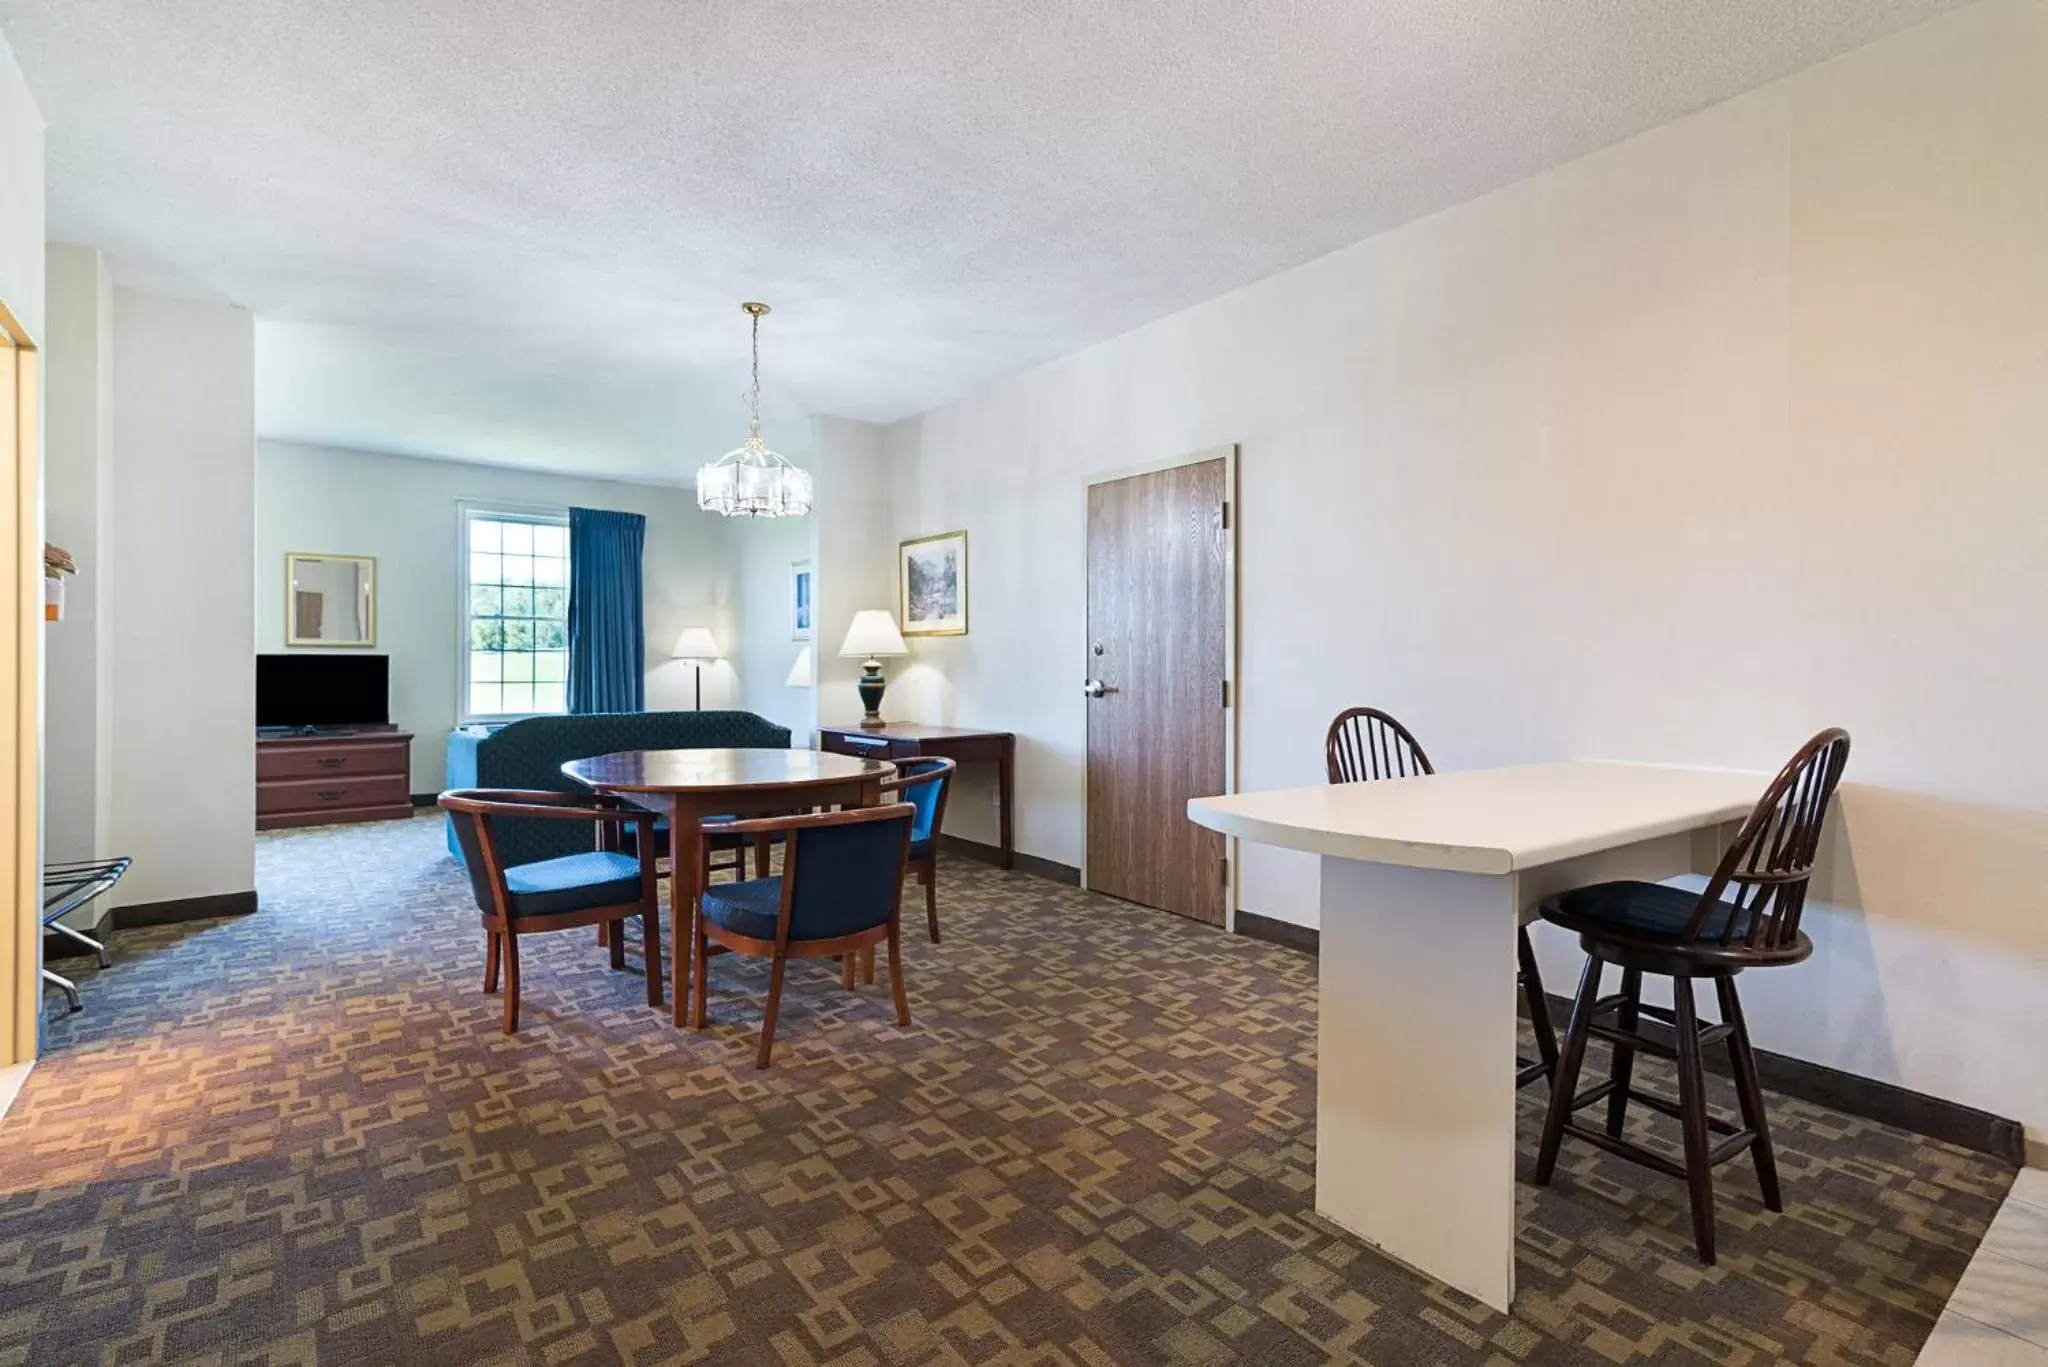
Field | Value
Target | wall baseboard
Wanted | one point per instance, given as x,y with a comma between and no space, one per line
1026,863
1949,1121
1286,934
1966,1127
184,909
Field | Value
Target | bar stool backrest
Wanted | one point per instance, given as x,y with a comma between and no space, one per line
1365,743
1770,863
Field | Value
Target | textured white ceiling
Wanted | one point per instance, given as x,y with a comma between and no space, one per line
518,230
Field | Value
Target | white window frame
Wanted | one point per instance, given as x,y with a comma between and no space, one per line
466,511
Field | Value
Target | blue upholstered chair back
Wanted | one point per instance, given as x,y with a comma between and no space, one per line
531,753
923,796
848,877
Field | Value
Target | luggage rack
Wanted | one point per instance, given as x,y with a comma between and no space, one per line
66,888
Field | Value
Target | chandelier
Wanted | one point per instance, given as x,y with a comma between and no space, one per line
753,481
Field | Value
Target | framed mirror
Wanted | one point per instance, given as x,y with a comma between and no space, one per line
330,600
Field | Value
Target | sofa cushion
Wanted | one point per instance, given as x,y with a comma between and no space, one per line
530,754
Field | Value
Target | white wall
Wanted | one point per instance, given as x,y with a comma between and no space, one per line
78,454
855,558
183,518
765,548
1678,452
403,511
21,197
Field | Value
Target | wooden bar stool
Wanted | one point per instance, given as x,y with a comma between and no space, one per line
1748,917
1364,744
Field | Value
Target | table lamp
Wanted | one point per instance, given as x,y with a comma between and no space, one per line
873,635
697,647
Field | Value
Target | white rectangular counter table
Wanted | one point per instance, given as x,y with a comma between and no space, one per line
1425,881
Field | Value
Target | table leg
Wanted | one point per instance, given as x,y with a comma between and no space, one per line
870,796
1415,1092
685,856
1004,784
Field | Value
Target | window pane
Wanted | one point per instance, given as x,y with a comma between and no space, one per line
551,636
484,534
484,666
519,538
518,666
485,568
518,634
550,697
548,570
486,633
551,666
485,600
550,602
483,699
518,602
518,569
551,541
518,698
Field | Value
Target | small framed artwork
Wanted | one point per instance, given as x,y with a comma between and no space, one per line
933,585
802,600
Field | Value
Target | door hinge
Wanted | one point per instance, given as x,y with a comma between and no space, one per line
1226,692
1226,516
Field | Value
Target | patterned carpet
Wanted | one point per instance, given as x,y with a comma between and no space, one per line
300,1137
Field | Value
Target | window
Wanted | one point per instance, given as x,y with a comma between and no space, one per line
516,614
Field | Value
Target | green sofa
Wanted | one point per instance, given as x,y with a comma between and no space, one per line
531,753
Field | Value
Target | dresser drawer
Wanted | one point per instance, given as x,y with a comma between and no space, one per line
337,759
284,797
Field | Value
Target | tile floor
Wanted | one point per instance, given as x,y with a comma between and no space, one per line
1998,1316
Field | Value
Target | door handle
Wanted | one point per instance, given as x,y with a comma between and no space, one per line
1095,688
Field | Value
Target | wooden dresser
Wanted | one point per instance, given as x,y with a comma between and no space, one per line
364,774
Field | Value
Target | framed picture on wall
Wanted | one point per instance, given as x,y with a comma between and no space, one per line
932,585
802,600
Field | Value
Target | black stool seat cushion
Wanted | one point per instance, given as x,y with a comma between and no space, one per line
1644,911
574,882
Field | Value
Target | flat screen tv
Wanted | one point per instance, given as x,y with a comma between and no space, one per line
323,690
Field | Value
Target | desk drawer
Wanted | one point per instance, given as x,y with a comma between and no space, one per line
280,797
866,747
348,760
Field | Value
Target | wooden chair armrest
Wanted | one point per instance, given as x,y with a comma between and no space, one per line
764,825
546,806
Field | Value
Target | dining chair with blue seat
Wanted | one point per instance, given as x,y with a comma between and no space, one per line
602,886
840,892
923,783
1746,917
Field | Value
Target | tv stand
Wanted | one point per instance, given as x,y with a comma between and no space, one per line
321,776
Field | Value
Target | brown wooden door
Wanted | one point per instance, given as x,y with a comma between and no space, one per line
1158,589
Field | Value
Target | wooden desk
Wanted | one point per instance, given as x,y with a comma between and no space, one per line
909,739
1424,880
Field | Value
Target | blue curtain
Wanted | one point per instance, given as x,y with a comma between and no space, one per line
607,641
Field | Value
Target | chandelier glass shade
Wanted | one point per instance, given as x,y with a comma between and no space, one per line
751,480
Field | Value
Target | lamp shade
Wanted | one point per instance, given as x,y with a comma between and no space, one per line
696,643
873,633
800,672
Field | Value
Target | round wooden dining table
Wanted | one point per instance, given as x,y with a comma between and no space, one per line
692,786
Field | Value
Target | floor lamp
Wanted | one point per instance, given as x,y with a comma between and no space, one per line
697,647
